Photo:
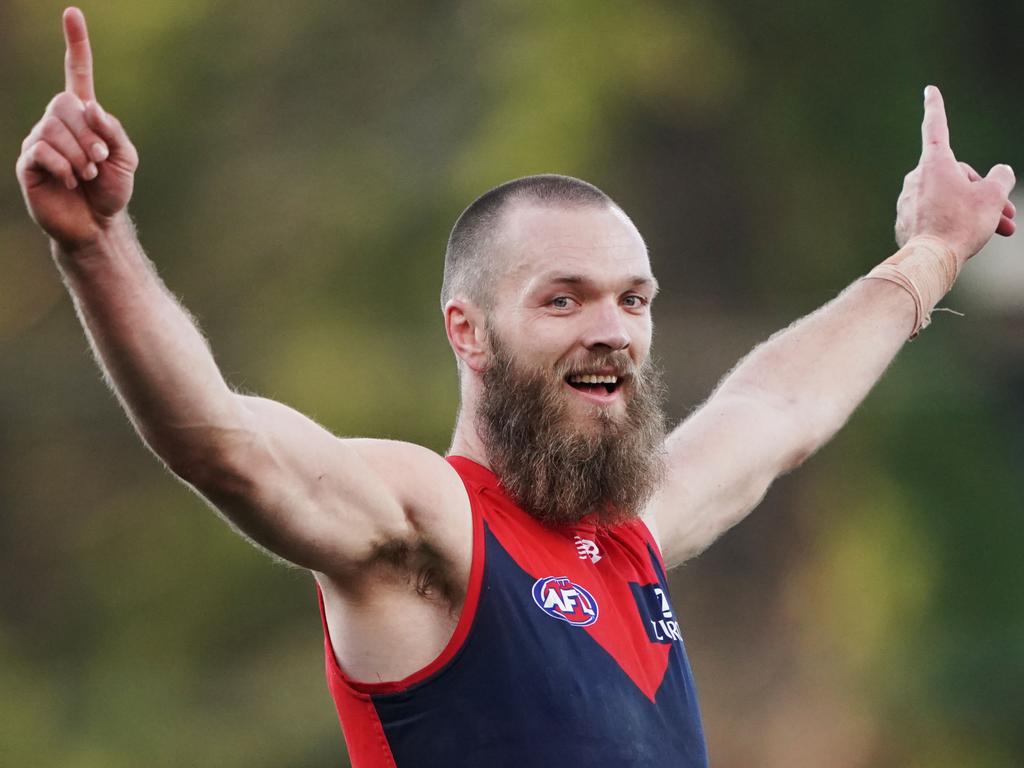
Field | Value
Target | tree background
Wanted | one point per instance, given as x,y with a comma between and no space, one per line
302,164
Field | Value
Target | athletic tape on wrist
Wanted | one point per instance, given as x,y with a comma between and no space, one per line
926,268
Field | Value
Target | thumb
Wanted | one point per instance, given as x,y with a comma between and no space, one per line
109,128
1002,177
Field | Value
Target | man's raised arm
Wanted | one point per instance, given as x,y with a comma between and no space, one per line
791,394
290,485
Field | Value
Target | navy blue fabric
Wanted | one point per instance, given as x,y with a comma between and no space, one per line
526,690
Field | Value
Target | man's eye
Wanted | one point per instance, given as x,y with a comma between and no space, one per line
634,301
561,302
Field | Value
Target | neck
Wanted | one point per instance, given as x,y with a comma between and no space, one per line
466,441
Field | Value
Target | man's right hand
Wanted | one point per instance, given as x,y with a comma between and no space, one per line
77,165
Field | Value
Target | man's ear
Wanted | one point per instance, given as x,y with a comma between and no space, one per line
465,323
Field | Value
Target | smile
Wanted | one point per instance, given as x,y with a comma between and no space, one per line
599,388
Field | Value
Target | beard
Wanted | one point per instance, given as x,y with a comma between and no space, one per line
559,471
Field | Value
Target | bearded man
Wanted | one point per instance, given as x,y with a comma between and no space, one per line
506,605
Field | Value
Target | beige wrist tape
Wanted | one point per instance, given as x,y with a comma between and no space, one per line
925,268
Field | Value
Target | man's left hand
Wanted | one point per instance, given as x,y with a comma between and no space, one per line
948,199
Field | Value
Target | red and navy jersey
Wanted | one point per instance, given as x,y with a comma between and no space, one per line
567,653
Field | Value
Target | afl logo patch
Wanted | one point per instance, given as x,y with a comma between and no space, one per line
565,600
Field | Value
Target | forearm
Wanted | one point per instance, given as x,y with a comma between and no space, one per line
819,369
149,348
792,393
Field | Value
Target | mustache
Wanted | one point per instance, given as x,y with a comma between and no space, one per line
617,362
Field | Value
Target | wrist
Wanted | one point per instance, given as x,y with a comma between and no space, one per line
107,240
960,248
926,268
960,251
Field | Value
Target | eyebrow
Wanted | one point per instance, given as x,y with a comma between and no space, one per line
558,278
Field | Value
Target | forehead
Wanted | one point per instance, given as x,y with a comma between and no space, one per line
598,242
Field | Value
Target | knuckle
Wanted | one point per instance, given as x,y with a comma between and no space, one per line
993,195
60,101
47,155
50,128
65,104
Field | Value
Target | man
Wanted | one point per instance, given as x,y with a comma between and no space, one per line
506,605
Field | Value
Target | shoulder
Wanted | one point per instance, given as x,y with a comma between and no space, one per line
433,497
426,484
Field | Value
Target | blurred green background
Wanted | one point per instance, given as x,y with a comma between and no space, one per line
301,166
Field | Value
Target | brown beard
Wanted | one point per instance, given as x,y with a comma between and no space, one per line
560,473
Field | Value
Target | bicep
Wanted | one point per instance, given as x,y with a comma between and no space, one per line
721,461
324,502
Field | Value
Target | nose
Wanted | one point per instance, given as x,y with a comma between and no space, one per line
607,329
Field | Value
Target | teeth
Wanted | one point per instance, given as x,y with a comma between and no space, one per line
590,378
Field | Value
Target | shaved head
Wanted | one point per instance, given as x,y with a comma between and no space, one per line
470,266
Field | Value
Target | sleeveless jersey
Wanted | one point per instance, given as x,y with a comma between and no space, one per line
567,653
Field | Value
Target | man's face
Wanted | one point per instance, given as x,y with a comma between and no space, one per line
570,406
576,287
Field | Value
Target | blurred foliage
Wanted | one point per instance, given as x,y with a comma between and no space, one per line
301,166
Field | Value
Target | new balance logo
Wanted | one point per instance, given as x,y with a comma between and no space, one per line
586,548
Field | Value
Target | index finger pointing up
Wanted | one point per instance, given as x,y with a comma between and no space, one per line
78,57
934,129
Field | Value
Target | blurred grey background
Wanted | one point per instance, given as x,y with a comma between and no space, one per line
302,164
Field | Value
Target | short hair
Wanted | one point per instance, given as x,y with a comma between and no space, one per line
468,267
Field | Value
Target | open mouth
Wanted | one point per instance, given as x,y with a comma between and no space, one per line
593,383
